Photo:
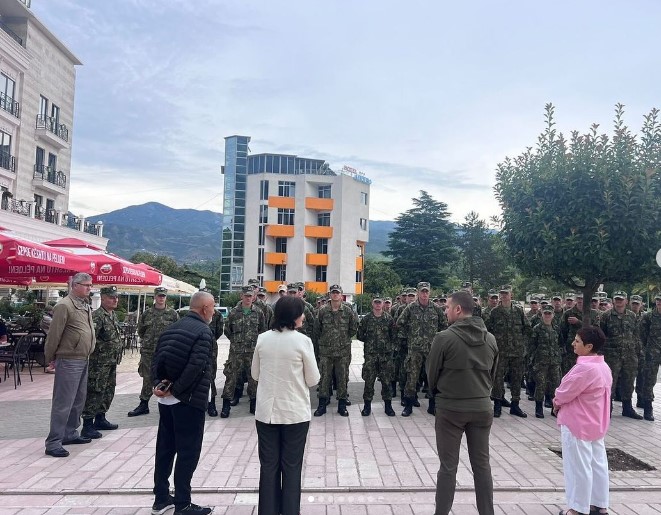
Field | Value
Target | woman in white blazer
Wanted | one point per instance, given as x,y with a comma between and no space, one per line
285,368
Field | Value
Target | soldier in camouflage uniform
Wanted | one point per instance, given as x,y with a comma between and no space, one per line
152,323
477,309
244,324
650,336
102,376
334,328
570,299
572,321
216,325
377,332
637,309
622,349
508,323
387,305
260,301
401,348
557,311
417,326
534,311
493,302
544,353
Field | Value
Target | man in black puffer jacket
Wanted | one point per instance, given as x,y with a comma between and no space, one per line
181,373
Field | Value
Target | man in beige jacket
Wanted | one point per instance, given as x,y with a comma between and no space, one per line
70,342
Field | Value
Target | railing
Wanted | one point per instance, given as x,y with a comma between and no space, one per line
13,34
93,228
46,173
7,161
31,209
47,215
10,105
21,207
50,124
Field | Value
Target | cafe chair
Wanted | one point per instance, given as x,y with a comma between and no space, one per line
16,358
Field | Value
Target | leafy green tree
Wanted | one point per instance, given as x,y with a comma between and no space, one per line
585,211
380,277
423,242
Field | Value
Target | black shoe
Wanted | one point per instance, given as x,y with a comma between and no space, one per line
505,403
342,407
548,401
497,408
348,402
640,403
141,409
389,411
76,441
100,422
539,409
416,402
328,400
628,411
225,410
193,509
367,409
403,401
431,409
408,407
161,507
211,408
238,393
88,430
648,414
516,411
321,409
60,452
253,404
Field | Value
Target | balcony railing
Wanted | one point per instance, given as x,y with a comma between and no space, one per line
46,173
13,34
7,161
50,124
10,105
31,209
47,215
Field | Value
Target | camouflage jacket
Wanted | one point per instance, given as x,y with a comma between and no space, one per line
534,319
544,348
266,310
242,329
333,330
511,329
308,323
419,324
377,333
568,331
217,324
109,342
477,310
151,324
621,331
557,319
650,335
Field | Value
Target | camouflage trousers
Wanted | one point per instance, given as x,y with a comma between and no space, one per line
236,365
650,373
415,360
341,366
380,366
624,365
214,367
399,374
568,361
640,377
515,366
547,378
144,370
101,382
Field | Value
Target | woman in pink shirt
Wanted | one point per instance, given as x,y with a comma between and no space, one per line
582,402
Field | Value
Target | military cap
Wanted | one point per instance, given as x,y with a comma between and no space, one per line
377,298
387,299
292,287
570,296
247,290
475,297
506,288
557,296
442,296
493,294
160,290
637,298
547,309
300,285
579,295
657,296
253,281
282,287
466,285
261,291
620,295
335,287
604,301
544,302
411,291
534,301
110,291
422,285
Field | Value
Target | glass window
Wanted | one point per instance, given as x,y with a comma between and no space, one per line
359,276
263,190
281,245
55,114
5,143
320,274
323,219
280,273
263,214
43,106
322,245
260,261
286,216
286,189
39,158
363,224
363,198
324,191
261,233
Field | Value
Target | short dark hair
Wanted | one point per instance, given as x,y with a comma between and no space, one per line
464,299
592,335
286,311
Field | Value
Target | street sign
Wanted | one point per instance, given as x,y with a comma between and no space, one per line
658,258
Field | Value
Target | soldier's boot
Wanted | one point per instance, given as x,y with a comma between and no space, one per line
393,388
342,407
389,411
516,411
321,409
497,408
253,404
211,409
431,409
403,401
648,414
141,409
548,401
416,402
408,407
347,401
225,410
100,422
505,403
88,430
628,411
530,390
640,403
539,409
238,393
367,409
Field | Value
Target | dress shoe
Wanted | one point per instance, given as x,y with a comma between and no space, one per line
60,452
76,441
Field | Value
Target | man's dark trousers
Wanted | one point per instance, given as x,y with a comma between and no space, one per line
180,433
450,427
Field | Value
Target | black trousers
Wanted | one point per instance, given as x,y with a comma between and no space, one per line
281,448
180,432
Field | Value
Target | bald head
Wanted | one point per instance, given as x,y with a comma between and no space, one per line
202,303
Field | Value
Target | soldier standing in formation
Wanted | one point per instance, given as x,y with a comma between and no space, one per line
216,325
636,304
650,337
401,348
103,362
493,302
557,311
545,359
377,332
150,326
572,321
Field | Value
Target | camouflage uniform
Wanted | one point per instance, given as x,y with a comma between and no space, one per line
650,336
217,325
568,333
622,348
150,326
401,350
103,361
545,357
242,328
641,358
378,336
267,311
557,319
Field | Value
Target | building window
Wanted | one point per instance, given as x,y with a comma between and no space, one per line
43,106
320,273
38,200
260,261
323,219
359,276
286,189
280,273
322,245
261,234
263,214
263,190
55,115
5,151
363,198
286,216
281,245
7,91
363,224
324,191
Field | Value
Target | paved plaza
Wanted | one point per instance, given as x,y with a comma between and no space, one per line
354,465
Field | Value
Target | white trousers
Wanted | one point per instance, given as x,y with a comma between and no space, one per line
586,472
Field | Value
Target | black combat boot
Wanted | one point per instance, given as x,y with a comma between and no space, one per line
141,409
342,407
347,401
225,410
389,411
497,408
238,393
416,402
88,430
403,401
211,409
628,411
431,409
367,409
530,390
539,409
100,422
393,388
321,409
648,414
640,403
408,407
516,411
548,401
253,403
505,403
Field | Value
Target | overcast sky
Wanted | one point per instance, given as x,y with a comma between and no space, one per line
417,95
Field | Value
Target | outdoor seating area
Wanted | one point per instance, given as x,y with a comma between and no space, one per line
20,352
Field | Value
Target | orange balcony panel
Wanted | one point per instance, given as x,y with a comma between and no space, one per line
282,202
317,287
275,258
280,231
319,204
272,286
318,231
359,288
359,264
316,259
